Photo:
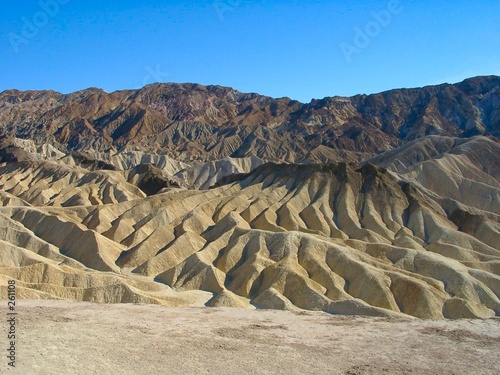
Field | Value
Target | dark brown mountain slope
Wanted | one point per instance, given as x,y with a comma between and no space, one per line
195,122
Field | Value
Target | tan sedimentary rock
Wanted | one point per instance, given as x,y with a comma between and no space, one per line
340,238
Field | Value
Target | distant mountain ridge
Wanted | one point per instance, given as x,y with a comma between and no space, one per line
194,122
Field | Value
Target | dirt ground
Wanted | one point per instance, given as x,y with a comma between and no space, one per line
60,337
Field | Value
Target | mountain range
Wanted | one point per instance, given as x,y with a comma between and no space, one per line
187,195
194,122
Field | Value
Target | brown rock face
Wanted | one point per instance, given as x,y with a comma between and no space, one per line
195,122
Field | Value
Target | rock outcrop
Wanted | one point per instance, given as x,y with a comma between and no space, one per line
416,234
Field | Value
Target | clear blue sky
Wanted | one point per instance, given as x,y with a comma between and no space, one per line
299,49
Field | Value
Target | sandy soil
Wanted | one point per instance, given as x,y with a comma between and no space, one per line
59,337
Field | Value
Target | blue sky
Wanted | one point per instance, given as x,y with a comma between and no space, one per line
299,49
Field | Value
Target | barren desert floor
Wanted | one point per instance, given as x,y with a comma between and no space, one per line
61,337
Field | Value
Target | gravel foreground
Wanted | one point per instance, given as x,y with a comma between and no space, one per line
62,337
